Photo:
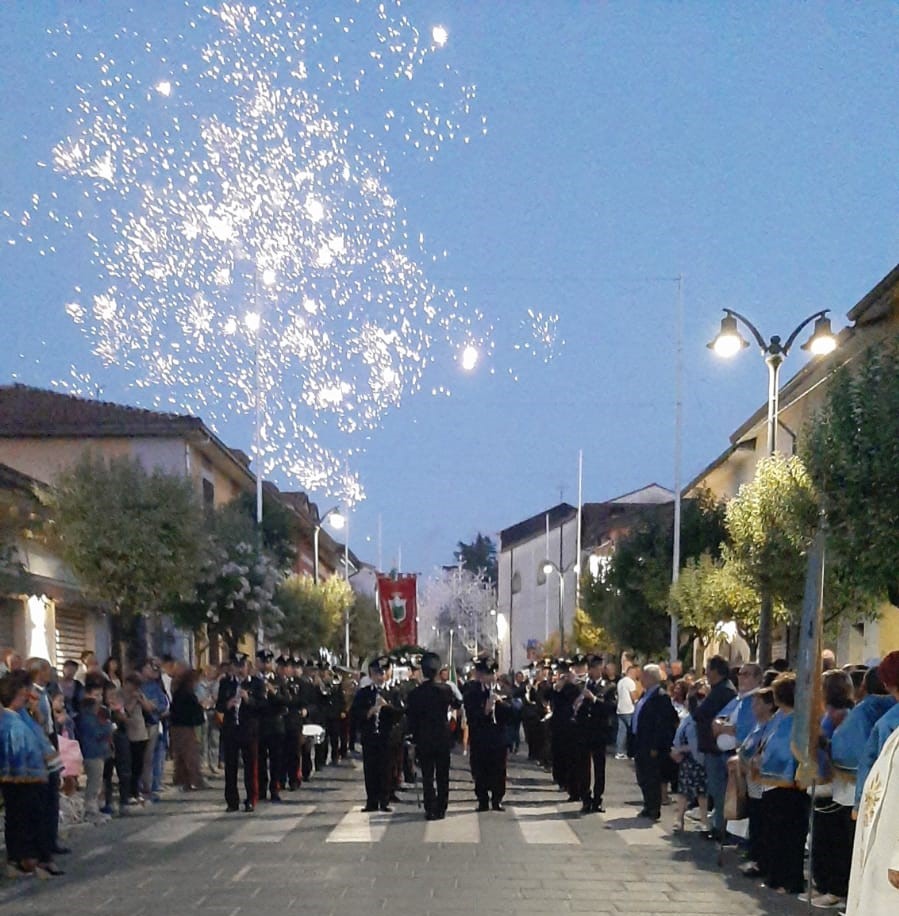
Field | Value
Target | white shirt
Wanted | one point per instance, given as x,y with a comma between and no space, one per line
626,686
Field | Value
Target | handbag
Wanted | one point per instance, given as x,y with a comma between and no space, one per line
736,804
70,754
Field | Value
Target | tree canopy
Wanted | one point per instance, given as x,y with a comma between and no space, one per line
235,591
313,613
851,449
134,539
478,557
630,599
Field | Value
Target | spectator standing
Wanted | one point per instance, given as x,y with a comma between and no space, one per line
120,761
23,776
784,805
721,693
628,694
135,705
654,724
207,691
95,737
186,718
154,758
691,785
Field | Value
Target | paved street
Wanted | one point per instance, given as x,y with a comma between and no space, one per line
319,854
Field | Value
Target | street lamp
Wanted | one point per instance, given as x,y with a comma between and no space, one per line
729,342
548,567
337,522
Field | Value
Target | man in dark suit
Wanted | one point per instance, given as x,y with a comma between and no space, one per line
654,724
427,720
375,717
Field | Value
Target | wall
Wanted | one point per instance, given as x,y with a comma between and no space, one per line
526,609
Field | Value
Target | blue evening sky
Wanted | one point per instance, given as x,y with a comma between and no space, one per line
750,147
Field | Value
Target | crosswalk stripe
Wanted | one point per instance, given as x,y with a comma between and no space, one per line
170,829
270,825
358,826
540,830
642,833
458,827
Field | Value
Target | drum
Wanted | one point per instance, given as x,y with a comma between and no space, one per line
316,733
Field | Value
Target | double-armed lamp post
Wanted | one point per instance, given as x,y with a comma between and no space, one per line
729,342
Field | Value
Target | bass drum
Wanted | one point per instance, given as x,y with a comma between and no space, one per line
315,733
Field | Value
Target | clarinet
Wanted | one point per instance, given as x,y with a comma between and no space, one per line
237,704
377,726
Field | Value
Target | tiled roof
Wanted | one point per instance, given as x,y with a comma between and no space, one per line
38,413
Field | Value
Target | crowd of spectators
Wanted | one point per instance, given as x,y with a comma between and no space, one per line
725,752
89,744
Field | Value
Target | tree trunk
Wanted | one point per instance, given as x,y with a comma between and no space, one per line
766,626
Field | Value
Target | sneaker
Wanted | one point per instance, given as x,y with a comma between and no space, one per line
826,901
15,870
621,756
107,809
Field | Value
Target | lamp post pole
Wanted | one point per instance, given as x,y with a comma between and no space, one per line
729,342
547,567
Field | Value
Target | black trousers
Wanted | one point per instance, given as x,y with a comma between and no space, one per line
306,748
292,772
331,742
595,786
271,763
785,813
239,747
758,844
376,761
50,814
435,770
488,769
649,778
138,750
120,763
23,804
833,833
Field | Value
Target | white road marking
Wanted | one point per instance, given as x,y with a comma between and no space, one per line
358,826
643,833
169,829
540,830
270,825
239,874
461,827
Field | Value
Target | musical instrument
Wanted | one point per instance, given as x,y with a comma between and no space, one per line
316,733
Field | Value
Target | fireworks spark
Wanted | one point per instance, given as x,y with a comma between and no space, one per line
543,340
232,182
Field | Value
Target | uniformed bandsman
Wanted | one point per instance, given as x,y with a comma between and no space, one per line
375,718
240,698
594,710
428,711
487,714
271,726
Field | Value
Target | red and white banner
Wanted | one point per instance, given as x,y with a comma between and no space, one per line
398,601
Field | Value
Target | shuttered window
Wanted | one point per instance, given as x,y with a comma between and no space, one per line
71,635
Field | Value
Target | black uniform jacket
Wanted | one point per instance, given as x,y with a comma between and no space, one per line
427,718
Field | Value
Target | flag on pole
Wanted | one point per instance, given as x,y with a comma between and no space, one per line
398,602
809,702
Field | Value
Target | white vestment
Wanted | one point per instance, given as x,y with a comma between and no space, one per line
876,848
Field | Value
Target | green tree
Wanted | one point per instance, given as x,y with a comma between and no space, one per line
313,614
711,591
366,631
235,592
478,557
280,528
851,450
133,538
770,525
630,599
